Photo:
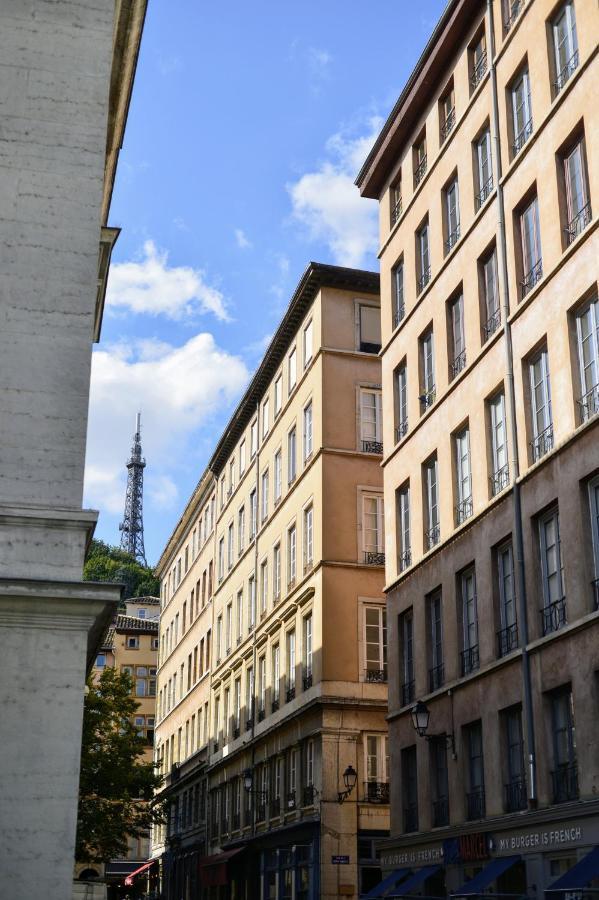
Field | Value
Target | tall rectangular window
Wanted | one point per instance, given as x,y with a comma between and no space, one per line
371,420
515,787
249,703
577,193
276,676
440,782
541,415
241,458
265,417
530,235
409,779
307,343
452,215
594,510
478,61
490,291
230,546
458,336
221,559
565,772
264,586
508,633
377,768
554,602
241,530
253,514
276,568
253,438
419,161
375,643
565,44
475,797
290,665
437,669
251,603
396,201
463,476
261,687
307,432
521,110
291,371
484,168
469,655
307,651
228,628
403,528
237,711
447,113
291,555
400,390
427,358
406,624
587,335
423,258
499,463
239,616
264,496
399,308
369,323
308,538
373,533
432,531
278,475
291,456
278,394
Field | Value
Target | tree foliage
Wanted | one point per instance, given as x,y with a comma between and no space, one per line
116,785
107,563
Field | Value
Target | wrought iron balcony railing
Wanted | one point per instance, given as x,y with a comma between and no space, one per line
396,211
522,137
432,536
236,732
275,704
372,446
463,510
566,72
436,677
553,616
565,783
458,364
399,312
420,171
375,676
484,193
452,239
307,679
405,560
440,812
376,792
401,430
428,398
513,10
588,404
500,479
507,640
447,126
532,277
261,713
479,71
542,443
410,817
308,795
492,323
374,558
408,692
423,279
469,660
290,694
514,796
475,804
578,223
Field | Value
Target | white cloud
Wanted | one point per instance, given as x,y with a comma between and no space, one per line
328,204
149,285
177,389
243,241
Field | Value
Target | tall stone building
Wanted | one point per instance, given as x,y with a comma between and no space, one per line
487,173
272,694
67,73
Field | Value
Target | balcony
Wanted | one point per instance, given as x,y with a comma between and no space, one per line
565,783
376,792
374,558
578,223
398,312
372,447
423,280
588,404
448,124
436,677
427,399
375,676
513,10
275,807
432,536
500,479
420,171
401,430
308,795
440,812
290,694
307,680
542,443
492,324
452,239
484,194
405,560
463,510
514,796
475,804
458,364
553,616
531,278
469,660
507,640
479,71
410,818
408,692
396,211
565,73
522,137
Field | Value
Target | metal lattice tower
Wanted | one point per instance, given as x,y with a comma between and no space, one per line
132,526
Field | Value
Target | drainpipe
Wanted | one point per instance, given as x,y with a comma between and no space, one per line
511,410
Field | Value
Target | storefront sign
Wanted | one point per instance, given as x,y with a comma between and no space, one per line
466,848
416,856
544,839
340,860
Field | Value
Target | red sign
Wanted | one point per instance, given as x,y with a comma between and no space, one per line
473,847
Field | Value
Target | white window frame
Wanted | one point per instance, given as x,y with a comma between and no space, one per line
545,406
308,535
307,643
308,426
590,309
291,554
544,521
265,417
463,466
278,394
308,343
276,570
376,763
594,509
469,609
242,458
291,455
379,531
403,515
371,427
278,474
264,496
499,455
378,611
253,438
291,371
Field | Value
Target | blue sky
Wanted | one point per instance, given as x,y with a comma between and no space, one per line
248,124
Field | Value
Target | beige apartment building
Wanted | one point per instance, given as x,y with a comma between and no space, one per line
272,693
486,172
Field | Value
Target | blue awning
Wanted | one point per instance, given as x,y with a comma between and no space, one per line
579,875
488,875
387,884
414,881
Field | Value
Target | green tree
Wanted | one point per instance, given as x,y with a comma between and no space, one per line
106,563
116,785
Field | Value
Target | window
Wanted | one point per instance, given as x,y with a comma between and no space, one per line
219,638
264,496
396,201
308,432
290,665
565,45
276,676
475,798
530,236
276,565
515,787
369,320
469,655
375,643
400,390
427,359
230,546
145,681
458,336
291,456
437,669
251,603
237,710
432,528
261,687
419,161
377,768
278,394
452,215
239,616
241,458
291,371
499,477
221,559
463,476
278,476
521,111
241,530
565,772
540,394
508,634
403,528
291,555
447,113
253,438
307,343
228,628
484,168
406,625
577,195
308,538
490,294
399,308
594,509
478,61
132,643
409,789
249,704
423,258
440,782
223,494
253,514
265,417
100,660
264,586
371,421
373,532
307,651
554,602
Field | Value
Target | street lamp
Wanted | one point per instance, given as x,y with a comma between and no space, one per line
350,777
248,783
420,720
